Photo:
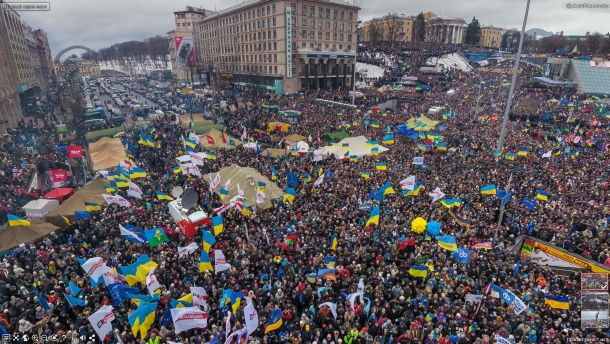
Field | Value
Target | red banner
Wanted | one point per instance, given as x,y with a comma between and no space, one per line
210,139
59,175
75,151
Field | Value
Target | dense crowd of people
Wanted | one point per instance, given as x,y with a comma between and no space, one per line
274,252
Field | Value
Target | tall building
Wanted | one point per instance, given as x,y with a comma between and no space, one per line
491,36
181,38
46,59
280,46
36,60
391,28
17,77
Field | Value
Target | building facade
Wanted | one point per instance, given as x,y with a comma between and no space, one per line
85,68
443,29
491,36
391,28
280,46
185,23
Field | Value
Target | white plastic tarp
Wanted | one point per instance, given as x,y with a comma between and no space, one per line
357,147
40,207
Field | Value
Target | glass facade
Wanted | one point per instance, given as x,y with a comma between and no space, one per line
593,80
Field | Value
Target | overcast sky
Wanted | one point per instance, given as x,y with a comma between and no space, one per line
101,23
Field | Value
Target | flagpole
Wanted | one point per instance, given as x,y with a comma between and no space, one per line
502,207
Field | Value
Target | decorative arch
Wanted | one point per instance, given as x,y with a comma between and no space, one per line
59,55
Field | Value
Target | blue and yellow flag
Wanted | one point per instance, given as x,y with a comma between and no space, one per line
274,173
142,319
373,217
375,151
137,172
161,196
208,241
330,262
65,219
542,195
416,188
17,221
306,178
333,241
489,189
345,146
320,171
183,302
375,124
418,271
177,169
138,271
204,262
381,166
388,139
275,321
92,206
289,195
447,242
559,302
217,225
365,175
262,186
509,156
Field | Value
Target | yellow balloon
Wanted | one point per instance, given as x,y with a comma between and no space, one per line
419,225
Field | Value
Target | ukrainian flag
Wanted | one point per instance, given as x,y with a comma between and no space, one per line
121,183
138,271
17,221
275,321
177,169
371,143
381,166
320,171
523,152
330,262
65,219
142,319
306,178
441,146
139,299
422,135
290,195
365,175
91,206
204,262
498,152
163,197
210,156
375,151
312,277
149,141
333,242
419,271
345,146
246,210
137,173
346,155
510,156
542,195
387,189
183,302
448,203
353,158
262,186
190,143
489,189
375,124
217,224
418,186
273,173
388,139
447,242
430,317
559,302
208,241
373,217
224,193
109,188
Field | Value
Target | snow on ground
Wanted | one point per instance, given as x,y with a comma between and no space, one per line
450,61
369,70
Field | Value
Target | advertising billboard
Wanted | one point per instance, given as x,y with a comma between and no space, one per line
599,63
185,54
542,253
288,42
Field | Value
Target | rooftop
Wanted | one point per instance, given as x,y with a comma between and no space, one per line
593,80
391,16
491,27
445,18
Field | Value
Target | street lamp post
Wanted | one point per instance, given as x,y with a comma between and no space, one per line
513,81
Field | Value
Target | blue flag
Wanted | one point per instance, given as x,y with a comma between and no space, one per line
166,318
529,203
505,295
43,301
516,271
329,174
292,179
462,255
119,292
507,198
82,215
74,301
4,334
73,290
137,231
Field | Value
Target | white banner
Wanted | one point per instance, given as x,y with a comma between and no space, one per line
418,160
319,181
188,318
101,321
474,298
122,201
501,340
317,155
197,158
436,194
95,267
151,282
251,316
408,183
220,262
260,197
518,304
200,297
134,191
184,158
187,250
332,306
193,136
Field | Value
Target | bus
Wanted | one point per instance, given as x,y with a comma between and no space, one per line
109,108
95,114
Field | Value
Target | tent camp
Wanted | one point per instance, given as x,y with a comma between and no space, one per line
40,207
357,147
217,139
294,138
197,117
339,135
105,153
274,152
421,123
278,126
91,192
60,194
247,178
17,235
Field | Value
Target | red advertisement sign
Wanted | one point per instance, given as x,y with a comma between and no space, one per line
59,175
75,151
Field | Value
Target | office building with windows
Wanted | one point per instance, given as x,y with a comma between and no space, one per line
185,22
279,46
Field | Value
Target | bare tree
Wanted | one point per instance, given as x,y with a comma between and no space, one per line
374,32
395,29
594,41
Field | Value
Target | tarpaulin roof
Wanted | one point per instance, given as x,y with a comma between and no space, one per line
421,123
274,152
218,143
59,194
17,235
247,178
295,138
106,153
91,192
339,135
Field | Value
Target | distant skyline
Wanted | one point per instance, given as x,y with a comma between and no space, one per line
99,24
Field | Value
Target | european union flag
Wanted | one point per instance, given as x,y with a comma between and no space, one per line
292,179
119,292
529,203
462,255
329,174
82,215
137,231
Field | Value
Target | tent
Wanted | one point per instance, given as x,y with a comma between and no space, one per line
197,117
17,235
105,153
59,194
421,123
91,192
217,137
339,135
247,178
274,152
357,146
204,127
279,126
108,133
294,138
40,207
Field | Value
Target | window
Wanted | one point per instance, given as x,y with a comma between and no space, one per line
328,36
328,24
334,25
293,8
264,35
312,34
268,10
312,10
303,33
249,15
342,15
313,23
334,36
341,26
334,47
350,16
320,11
274,23
303,45
274,45
335,14
328,13
268,22
341,36
258,12
274,34
188,24
263,11
273,8
294,21
303,21
340,46
274,57
349,27
311,45
304,10
319,34
274,69
349,37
